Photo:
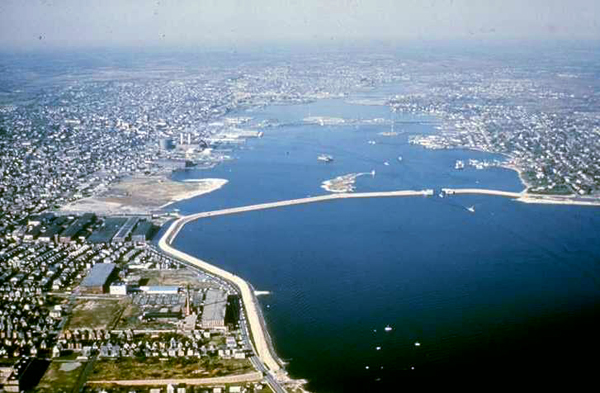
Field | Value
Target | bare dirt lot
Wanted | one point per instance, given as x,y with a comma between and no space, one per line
96,314
142,195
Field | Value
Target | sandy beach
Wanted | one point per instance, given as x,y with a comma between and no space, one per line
205,186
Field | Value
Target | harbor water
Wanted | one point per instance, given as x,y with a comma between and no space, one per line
507,288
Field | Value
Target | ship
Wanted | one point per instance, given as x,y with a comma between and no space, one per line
325,158
400,158
459,164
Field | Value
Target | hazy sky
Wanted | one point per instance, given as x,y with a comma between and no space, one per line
31,24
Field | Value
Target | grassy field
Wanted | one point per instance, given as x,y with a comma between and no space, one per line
154,368
60,377
95,314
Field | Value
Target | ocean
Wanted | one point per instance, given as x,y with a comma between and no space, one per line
511,288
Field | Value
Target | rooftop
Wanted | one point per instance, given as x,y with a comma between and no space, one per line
98,275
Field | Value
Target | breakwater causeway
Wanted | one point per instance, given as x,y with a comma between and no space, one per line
256,325
260,338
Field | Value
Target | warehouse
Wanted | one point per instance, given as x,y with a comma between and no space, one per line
99,278
142,232
125,230
215,304
75,228
108,230
160,290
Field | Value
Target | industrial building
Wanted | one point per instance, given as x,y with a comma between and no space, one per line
173,164
215,305
160,290
99,278
166,144
70,234
50,234
118,288
108,230
125,230
142,232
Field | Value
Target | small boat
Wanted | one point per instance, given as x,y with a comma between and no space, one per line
400,158
386,163
459,164
371,142
388,328
373,173
471,209
417,344
325,158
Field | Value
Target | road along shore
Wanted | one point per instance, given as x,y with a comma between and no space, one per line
257,328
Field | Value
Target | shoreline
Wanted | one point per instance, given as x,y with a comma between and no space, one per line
529,197
142,195
212,184
344,183
259,341
260,338
526,197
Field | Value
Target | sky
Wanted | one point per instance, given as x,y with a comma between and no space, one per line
32,24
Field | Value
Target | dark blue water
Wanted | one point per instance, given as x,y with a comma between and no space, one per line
511,288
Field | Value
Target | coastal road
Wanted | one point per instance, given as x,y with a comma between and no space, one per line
270,364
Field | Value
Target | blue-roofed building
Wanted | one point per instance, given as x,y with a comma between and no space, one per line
99,278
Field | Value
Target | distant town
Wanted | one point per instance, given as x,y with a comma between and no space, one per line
90,303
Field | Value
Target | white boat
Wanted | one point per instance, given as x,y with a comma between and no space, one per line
471,209
459,164
386,163
372,142
325,158
388,328
400,158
